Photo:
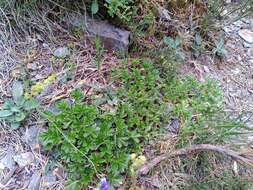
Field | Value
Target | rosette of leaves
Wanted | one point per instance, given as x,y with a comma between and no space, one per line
15,110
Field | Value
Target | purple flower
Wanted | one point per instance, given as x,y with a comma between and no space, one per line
104,184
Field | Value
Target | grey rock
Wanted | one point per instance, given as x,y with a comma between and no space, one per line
31,136
49,180
112,38
250,52
247,35
35,181
61,52
24,159
8,161
227,29
174,126
32,66
247,45
164,13
238,23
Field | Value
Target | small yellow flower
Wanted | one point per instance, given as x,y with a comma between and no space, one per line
133,156
138,162
142,158
40,86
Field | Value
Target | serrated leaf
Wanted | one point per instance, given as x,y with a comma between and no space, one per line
31,104
94,7
15,125
5,113
17,90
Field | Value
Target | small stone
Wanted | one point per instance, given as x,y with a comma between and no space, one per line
206,69
250,53
164,13
32,66
24,159
227,29
35,182
31,136
2,166
247,35
61,52
49,180
247,45
112,38
238,23
174,126
236,71
8,161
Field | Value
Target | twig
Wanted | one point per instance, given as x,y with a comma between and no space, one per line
191,150
8,176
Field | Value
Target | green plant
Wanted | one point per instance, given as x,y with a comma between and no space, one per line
199,107
96,138
91,140
219,48
175,47
120,8
14,111
197,45
99,52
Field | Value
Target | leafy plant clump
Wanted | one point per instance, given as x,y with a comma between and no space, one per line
14,111
96,139
90,140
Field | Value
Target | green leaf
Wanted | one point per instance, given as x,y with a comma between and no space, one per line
15,125
17,90
94,7
20,101
73,185
31,104
169,41
8,104
20,116
198,39
5,113
15,109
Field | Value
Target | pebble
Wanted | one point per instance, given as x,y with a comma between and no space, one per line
35,181
247,35
206,69
227,29
31,66
8,161
49,179
236,71
24,159
250,52
247,45
31,136
238,23
61,52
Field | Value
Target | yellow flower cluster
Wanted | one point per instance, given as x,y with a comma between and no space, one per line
136,162
40,86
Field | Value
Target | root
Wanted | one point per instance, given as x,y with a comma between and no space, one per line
193,150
